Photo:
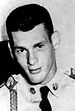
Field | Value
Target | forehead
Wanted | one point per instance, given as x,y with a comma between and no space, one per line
37,34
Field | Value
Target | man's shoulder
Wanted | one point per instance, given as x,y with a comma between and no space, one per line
66,76
3,89
67,83
69,77
4,98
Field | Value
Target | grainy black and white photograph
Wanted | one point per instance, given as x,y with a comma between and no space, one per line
37,55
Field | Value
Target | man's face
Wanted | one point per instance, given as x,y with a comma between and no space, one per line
35,54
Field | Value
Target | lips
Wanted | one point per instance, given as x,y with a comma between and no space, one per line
35,71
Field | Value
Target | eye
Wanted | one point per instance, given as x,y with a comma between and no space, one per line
40,46
19,51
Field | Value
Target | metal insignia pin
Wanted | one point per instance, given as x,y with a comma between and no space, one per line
55,86
32,90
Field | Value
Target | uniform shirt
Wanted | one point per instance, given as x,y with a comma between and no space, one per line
61,95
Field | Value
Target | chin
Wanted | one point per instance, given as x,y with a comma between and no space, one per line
36,81
36,78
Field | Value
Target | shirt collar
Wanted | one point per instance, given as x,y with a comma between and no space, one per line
53,85
59,80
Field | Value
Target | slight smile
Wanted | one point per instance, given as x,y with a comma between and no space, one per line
35,71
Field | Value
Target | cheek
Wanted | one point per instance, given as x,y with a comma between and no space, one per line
21,60
46,56
47,59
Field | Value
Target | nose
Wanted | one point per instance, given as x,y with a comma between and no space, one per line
32,59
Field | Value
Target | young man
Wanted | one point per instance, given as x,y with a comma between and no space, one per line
32,44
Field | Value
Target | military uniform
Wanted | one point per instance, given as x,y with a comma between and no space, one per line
17,95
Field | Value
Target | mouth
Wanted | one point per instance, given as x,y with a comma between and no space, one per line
35,71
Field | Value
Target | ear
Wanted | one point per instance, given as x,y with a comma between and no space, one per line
55,39
10,49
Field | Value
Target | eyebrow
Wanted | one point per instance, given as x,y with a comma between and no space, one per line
19,47
34,46
37,44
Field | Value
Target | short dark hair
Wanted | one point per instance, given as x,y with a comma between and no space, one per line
25,18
